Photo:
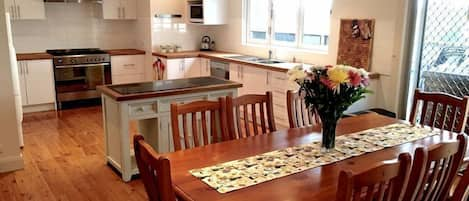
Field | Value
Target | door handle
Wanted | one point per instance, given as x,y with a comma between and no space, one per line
18,11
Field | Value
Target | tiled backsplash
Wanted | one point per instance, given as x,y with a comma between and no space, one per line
71,25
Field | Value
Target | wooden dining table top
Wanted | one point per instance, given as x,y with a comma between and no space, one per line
317,184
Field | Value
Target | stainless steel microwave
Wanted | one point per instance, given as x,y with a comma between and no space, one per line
196,11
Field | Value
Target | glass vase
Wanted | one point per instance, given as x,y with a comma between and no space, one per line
328,135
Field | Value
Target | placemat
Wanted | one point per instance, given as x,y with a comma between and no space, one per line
238,174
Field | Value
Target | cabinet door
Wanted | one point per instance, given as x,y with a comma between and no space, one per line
126,79
30,9
22,82
236,76
174,69
112,9
205,67
39,82
129,9
129,64
254,79
192,67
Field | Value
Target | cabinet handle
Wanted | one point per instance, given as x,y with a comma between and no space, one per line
119,12
26,66
123,11
19,11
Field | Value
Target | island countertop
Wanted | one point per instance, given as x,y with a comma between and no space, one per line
161,88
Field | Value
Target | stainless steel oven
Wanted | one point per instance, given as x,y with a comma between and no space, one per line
196,11
77,74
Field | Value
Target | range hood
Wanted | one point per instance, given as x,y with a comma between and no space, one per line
74,1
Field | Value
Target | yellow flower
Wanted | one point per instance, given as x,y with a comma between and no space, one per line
337,76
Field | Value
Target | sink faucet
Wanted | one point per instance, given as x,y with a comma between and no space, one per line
270,54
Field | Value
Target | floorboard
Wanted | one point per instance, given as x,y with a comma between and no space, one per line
64,161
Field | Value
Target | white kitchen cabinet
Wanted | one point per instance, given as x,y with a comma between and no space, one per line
174,69
183,68
128,69
119,9
192,67
236,75
215,12
25,9
205,67
36,82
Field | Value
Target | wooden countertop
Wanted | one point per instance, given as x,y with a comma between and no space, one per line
223,56
220,84
44,55
33,56
119,52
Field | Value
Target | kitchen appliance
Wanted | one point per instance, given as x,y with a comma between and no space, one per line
196,11
74,1
77,72
16,80
220,69
206,43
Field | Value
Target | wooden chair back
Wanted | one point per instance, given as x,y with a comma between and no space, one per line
298,114
203,123
434,170
461,193
155,172
382,182
250,115
440,110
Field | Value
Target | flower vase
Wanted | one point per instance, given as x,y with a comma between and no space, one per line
328,135
329,124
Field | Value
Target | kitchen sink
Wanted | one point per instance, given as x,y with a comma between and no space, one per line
270,62
255,59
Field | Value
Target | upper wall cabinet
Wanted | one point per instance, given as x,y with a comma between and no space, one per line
25,9
120,9
207,12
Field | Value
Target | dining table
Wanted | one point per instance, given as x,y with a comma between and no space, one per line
316,184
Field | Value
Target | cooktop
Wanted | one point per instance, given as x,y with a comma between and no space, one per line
166,85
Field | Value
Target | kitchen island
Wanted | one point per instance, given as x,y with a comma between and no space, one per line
149,105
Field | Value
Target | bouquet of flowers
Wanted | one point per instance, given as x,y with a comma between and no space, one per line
329,91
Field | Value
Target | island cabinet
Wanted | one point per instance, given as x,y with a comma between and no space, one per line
148,104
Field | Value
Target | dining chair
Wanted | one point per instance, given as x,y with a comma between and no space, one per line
198,123
382,182
434,170
440,110
155,172
298,114
250,115
461,193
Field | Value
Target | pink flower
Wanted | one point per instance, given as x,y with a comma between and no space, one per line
355,78
331,85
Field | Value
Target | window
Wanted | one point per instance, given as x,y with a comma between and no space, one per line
292,23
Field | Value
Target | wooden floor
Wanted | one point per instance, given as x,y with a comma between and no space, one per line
64,160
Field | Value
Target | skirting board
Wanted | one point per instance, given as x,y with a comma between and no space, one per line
39,108
11,163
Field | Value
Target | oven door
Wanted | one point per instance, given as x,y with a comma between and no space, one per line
196,12
78,82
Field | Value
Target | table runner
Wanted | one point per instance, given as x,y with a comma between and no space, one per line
238,174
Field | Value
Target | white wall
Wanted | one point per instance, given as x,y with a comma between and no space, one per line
174,31
389,15
72,25
10,154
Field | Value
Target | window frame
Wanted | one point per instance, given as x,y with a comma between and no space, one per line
270,34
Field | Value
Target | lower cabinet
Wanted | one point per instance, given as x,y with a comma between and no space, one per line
127,69
186,68
36,79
